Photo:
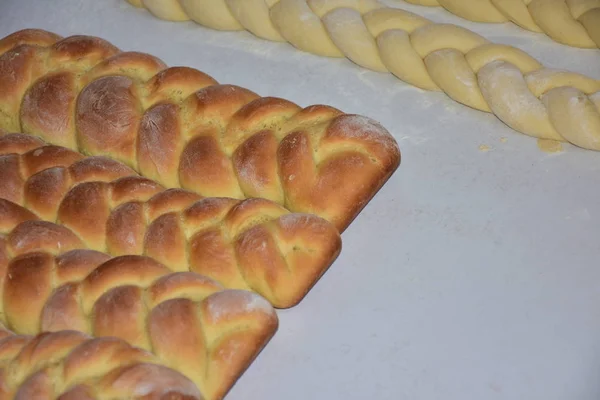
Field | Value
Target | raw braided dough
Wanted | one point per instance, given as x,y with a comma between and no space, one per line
50,282
70,365
179,127
530,98
572,22
251,244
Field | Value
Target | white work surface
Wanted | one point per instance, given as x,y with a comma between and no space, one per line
472,275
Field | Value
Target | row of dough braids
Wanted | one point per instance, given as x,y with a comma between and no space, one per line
70,365
50,282
178,126
251,244
500,79
572,22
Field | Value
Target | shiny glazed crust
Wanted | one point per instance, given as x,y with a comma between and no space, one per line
49,282
181,128
251,244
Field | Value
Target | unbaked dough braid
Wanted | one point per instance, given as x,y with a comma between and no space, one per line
179,127
70,365
251,244
50,282
572,22
504,80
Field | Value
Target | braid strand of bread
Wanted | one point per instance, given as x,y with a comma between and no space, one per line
251,244
571,22
70,365
537,101
181,128
50,282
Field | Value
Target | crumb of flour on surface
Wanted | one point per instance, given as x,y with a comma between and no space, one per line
503,139
549,145
222,305
484,147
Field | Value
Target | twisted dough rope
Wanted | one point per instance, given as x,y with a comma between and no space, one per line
49,282
70,365
179,127
572,22
251,244
537,101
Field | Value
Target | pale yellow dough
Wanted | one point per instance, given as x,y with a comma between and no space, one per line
500,79
572,22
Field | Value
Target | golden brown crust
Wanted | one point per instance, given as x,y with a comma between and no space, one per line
13,214
48,156
81,49
141,66
70,365
177,83
170,200
160,145
229,352
10,176
107,118
181,128
243,244
48,105
31,235
28,36
49,284
77,264
18,142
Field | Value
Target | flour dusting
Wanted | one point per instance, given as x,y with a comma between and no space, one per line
595,98
364,129
309,222
234,302
292,221
248,173
504,88
586,133
258,303
448,57
544,79
340,22
228,353
544,75
341,18
305,14
155,381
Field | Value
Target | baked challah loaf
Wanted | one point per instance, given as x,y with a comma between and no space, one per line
49,282
69,365
495,78
251,244
181,128
571,22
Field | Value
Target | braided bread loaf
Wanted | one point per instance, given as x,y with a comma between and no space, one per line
571,22
69,365
495,78
180,128
251,244
49,282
